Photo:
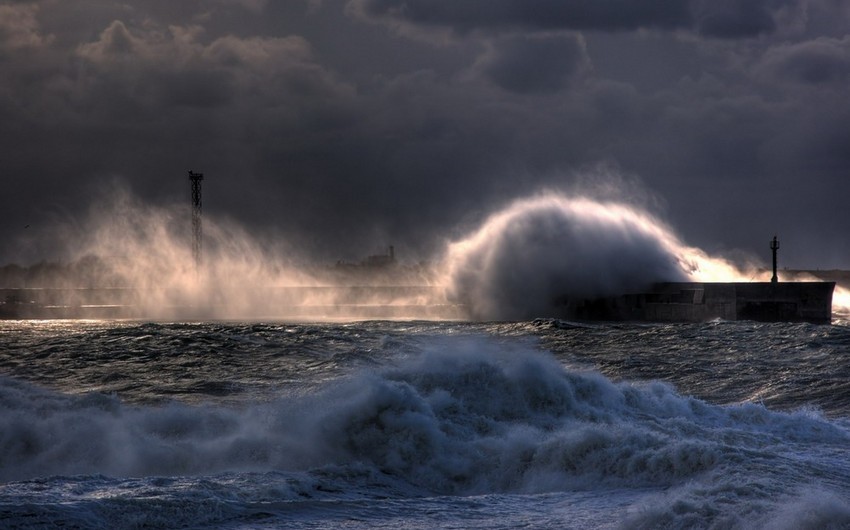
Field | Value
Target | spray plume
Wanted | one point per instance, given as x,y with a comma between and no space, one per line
544,247
146,252
553,248
532,254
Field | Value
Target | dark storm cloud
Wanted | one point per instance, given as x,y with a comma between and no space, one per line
714,18
344,136
534,64
536,14
735,18
819,61
19,27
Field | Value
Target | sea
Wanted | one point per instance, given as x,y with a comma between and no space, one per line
415,424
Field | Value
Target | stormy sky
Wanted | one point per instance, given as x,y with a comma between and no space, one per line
346,126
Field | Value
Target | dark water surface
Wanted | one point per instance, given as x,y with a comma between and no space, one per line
424,424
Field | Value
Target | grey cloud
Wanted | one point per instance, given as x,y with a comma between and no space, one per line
154,67
820,61
734,18
19,27
713,18
534,63
535,14
115,41
256,6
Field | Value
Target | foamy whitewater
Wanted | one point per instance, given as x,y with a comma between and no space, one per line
532,422
542,423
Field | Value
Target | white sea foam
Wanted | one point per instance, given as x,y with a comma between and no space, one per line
467,417
812,509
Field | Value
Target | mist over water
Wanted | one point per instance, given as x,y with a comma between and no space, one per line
240,275
523,260
149,249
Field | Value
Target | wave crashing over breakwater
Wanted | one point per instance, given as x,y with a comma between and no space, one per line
537,249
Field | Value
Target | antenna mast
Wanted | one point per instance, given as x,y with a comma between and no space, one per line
195,179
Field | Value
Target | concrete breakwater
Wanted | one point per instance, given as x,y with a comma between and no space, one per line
696,302
663,302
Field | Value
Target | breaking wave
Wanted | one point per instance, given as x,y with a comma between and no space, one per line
544,251
538,250
468,417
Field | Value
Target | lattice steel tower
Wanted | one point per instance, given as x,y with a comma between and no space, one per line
195,179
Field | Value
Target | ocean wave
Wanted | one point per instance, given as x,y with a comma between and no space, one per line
466,416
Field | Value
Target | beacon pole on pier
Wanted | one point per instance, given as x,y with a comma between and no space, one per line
195,179
774,246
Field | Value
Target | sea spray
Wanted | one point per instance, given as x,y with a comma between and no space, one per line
466,416
143,255
547,251
525,257
536,255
